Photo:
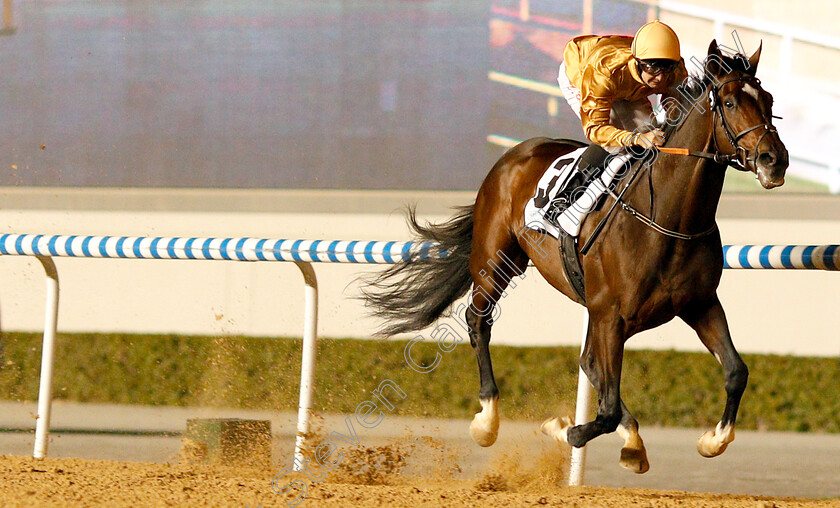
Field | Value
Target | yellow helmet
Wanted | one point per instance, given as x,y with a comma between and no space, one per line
656,40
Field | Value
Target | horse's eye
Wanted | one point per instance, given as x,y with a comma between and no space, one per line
729,104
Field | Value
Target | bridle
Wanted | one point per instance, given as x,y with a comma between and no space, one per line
741,157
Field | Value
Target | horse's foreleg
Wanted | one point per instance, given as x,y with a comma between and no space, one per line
633,453
601,361
709,321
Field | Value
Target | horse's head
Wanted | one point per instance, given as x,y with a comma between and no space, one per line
744,118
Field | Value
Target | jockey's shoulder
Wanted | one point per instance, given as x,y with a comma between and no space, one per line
594,44
607,53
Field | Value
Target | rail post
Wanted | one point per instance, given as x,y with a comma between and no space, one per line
45,392
577,465
307,361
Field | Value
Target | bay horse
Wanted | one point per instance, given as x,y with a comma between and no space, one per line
643,270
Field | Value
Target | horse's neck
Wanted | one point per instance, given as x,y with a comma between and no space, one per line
687,189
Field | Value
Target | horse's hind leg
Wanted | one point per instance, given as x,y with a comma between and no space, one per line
484,428
709,321
491,272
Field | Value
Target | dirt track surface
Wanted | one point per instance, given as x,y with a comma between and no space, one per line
77,482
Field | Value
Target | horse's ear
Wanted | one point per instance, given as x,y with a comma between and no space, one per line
714,63
754,59
713,48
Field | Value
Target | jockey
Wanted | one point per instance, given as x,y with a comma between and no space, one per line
607,80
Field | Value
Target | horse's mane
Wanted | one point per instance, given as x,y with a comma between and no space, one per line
697,85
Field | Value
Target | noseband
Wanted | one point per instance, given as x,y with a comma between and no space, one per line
741,157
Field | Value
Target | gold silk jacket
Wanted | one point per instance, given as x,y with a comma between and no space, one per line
603,69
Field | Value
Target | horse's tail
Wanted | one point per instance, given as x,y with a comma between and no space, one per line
412,295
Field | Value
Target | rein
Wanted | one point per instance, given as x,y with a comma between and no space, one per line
649,222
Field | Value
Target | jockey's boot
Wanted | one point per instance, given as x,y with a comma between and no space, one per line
572,218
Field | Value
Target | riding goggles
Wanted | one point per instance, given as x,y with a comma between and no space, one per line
659,66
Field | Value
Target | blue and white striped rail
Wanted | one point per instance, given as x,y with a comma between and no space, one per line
781,257
230,249
791,257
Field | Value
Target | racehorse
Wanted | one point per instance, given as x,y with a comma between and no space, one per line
644,269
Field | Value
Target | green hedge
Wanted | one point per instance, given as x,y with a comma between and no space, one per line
660,387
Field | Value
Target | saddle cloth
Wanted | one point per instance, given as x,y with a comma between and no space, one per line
542,211
569,190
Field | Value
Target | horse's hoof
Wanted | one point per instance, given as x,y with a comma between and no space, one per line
714,442
634,460
484,428
482,436
708,446
558,428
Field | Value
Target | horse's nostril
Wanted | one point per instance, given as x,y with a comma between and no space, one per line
767,158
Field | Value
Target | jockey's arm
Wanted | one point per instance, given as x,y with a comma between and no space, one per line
596,104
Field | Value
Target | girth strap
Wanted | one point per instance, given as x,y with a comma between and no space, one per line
571,263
